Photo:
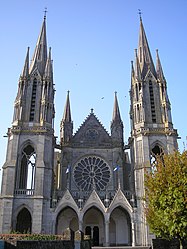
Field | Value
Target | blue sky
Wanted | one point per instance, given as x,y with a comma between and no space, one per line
93,43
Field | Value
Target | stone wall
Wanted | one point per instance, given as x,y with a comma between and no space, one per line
45,244
68,240
167,244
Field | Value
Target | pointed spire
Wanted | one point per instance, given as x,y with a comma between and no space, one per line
144,55
25,71
40,54
49,67
159,70
137,67
67,110
116,113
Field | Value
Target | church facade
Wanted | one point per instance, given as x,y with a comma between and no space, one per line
88,181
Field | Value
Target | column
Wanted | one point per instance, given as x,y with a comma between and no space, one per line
133,233
80,225
107,242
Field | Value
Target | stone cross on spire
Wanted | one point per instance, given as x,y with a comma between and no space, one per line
45,13
140,13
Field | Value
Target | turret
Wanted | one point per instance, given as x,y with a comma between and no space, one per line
166,107
116,124
19,103
66,126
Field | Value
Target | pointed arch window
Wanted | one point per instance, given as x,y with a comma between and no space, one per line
140,54
138,113
24,221
33,100
26,171
137,92
156,151
152,102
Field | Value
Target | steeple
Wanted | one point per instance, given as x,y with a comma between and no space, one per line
66,126
40,54
116,124
144,55
25,71
35,98
152,130
30,151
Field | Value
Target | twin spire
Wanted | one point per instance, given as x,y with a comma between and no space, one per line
40,60
116,117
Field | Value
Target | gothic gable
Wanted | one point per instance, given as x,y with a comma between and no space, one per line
91,134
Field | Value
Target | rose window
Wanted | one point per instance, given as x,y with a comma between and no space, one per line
92,172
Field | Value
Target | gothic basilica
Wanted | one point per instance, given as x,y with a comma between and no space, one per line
88,181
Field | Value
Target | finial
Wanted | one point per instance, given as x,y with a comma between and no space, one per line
136,52
140,14
115,93
119,184
92,110
45,12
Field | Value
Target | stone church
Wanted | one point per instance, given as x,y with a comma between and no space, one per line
89,181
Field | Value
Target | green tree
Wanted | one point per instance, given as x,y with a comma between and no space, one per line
166,197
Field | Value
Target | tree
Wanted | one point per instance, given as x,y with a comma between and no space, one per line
166,197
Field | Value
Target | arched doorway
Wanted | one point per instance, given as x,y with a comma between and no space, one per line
24,221
93,224
120,227
67,218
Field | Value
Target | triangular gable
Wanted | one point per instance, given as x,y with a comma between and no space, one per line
66,201
35,73
91,133
120,200
150,75
94,200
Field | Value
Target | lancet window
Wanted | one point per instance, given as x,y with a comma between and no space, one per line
26,170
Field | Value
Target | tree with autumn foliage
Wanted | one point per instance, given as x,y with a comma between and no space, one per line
166,197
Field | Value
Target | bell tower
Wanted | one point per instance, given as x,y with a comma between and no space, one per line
28,169
152,130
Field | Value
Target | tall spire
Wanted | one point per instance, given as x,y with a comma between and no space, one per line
160,74
25,71
67,110
40,54
144,54
116,113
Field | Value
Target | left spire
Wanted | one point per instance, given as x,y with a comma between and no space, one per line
40,54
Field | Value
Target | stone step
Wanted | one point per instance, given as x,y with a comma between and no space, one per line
121,247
